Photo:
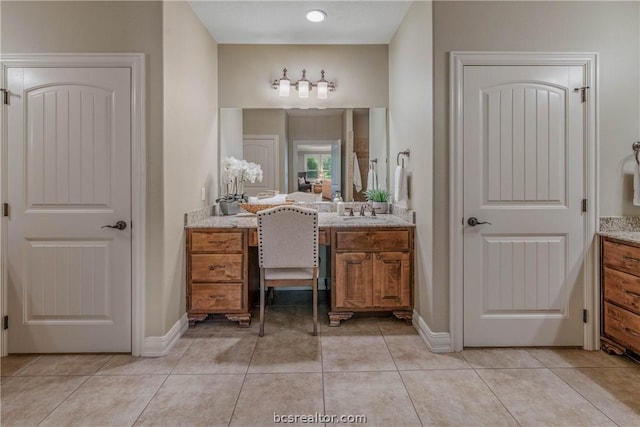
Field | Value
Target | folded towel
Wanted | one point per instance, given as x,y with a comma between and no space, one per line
400,185
636,186
357,177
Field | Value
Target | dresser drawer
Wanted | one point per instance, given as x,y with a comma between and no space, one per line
374,240
217,296
622,289
204,241
623,326
323,238
621,257
216,267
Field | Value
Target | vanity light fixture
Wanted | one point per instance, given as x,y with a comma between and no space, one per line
316,15
303,86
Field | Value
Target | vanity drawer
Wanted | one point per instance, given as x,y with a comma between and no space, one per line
621,257
623,326
204,241
373,240
622,289
323,238
216,296
216,267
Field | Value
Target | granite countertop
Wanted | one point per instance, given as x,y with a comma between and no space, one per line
325,219
624,228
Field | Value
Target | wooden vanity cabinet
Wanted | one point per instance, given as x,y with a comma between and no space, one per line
372,271
217,275
620,324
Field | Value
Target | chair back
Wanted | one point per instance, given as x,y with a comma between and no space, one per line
288,237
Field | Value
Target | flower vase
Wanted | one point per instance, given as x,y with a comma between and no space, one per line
229,208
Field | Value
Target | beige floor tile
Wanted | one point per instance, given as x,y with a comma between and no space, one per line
217,354
572,358
356,352
124,364
193,400
219,326
10,365
28,400
106,401
395,326
614,391
625,361
455,398
263,395
380,396
353,325
500,358
67,364
539,397
4,380
410,352
287,353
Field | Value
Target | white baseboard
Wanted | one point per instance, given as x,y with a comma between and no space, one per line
437,342
160,346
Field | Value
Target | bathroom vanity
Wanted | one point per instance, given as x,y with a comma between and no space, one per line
371,266
620,301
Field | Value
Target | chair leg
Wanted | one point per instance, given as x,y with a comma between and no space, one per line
315,301
262,302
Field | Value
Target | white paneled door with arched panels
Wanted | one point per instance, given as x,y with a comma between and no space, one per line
524,148
69,172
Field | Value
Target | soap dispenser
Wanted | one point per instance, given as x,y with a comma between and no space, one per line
339,203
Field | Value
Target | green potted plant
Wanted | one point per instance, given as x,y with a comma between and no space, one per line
378,199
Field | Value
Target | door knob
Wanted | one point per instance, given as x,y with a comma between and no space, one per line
473,221
120,225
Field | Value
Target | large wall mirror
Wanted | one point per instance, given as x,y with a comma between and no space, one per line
315,151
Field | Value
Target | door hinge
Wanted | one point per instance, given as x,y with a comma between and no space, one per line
583,93
585,316
5,322
584,205
5,209
5,96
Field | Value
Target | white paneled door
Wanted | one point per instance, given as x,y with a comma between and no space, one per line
263,150
524,147
69,172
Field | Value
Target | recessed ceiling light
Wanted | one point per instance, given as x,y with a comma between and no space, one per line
316,15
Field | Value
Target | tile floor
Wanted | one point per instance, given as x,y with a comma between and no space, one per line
220,375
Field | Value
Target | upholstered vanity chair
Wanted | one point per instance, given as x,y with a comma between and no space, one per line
288,252
303,184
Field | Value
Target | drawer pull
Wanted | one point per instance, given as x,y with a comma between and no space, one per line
633,294
216,267
630,331
216,296
630,258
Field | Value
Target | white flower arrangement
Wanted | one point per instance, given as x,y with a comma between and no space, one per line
235,173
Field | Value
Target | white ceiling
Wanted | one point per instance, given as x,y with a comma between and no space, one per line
284,22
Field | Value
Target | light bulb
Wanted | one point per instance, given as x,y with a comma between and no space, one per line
283,87
323,90
316,16
303,89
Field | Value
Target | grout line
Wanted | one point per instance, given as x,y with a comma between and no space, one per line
496,395
64,400
581,395
402,379
150,400
244,379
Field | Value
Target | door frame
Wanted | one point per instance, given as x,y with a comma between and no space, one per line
136,63
457,61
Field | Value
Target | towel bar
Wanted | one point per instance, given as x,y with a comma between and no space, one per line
406,152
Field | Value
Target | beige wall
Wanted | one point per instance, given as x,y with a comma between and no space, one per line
410,126
190,141
95,27
609,28
359,71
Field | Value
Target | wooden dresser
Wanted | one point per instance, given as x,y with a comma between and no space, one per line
371,269
620,324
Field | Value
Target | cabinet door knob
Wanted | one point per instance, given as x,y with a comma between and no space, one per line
367,257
